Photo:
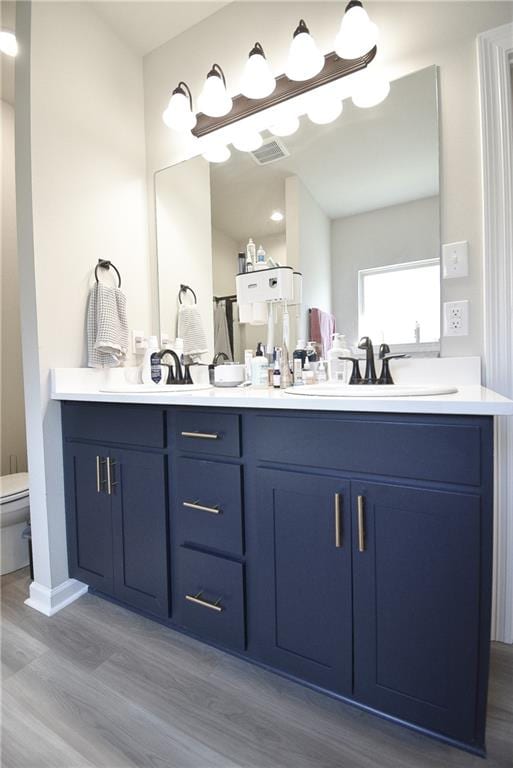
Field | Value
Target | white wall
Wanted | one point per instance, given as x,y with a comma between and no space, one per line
412,36
12,434
224,263
184,242
80,121
392,235
308,249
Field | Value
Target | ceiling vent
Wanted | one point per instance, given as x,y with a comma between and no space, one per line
271,150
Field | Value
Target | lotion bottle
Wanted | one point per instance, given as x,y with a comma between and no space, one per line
151,371
259,367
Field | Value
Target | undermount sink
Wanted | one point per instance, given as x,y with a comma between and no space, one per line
371,390
148,389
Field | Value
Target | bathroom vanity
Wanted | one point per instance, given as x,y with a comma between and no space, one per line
347,547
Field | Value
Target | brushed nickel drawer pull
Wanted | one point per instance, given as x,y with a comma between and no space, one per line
98,476
361,524
204,603
202,435
201,508
110,482
338,521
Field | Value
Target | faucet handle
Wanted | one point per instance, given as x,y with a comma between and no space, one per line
384,349
356,376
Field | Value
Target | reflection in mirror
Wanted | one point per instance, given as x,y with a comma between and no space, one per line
353,206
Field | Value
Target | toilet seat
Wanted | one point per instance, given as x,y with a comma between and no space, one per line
14,487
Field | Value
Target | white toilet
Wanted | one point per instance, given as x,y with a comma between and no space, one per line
14,516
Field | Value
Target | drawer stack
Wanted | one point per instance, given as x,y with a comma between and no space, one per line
207,525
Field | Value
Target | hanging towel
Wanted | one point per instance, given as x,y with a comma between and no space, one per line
107,327
221,334
322,328
190,329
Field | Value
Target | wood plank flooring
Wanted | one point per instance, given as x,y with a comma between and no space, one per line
97,685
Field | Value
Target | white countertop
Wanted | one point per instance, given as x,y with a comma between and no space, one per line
69,384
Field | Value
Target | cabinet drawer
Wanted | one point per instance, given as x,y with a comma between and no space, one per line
398,447
209,597
112,423
207,432
208,504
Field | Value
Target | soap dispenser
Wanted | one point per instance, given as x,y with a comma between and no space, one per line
338,369
151,370
259,366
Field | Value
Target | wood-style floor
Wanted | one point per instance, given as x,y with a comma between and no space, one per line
99,686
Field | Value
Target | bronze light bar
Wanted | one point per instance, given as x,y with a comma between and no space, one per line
334,68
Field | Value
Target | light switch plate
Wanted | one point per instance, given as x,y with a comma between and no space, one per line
139,342
456,318
455,259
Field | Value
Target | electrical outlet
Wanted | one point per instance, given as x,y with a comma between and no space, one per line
139,342
456,318
455,259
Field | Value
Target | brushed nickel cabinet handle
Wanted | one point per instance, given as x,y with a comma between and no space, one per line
201,507
110,482
198,600
361,524
98,476
338,520
202,435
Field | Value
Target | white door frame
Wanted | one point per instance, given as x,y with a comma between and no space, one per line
495,52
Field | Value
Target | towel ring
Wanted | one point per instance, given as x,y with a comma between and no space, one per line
103,264
184,289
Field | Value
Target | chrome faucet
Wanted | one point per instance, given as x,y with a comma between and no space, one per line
370,369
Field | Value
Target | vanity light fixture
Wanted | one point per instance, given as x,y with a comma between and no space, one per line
179,115
277,216
358,34
217,153
8,43
305,59
323,108
247,140
371,87
214,99
257,80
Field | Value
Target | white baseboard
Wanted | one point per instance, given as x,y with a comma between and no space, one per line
50,601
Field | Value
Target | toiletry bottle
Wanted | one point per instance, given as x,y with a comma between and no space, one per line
308,374
250,255
320,373
276,370
338,370
241,262
151,372
300,352
310,352
248,357
261,262
259,366
298,372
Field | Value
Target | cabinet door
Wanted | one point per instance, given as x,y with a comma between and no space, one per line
416,604
88,516
139,513
304,622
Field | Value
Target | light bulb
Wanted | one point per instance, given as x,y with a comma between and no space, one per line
8,43
214,99
358,34
247,141
257,79
179,115
217,153
277,216
323,108
371,87
285,126
305,60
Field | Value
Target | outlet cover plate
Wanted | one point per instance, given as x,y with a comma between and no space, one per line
455,259
456,318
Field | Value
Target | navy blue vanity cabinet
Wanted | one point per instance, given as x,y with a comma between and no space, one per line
304,569
139,525
88,517
116,502
416,564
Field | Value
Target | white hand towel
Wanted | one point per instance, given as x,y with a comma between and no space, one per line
107,327
190,329
221,334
